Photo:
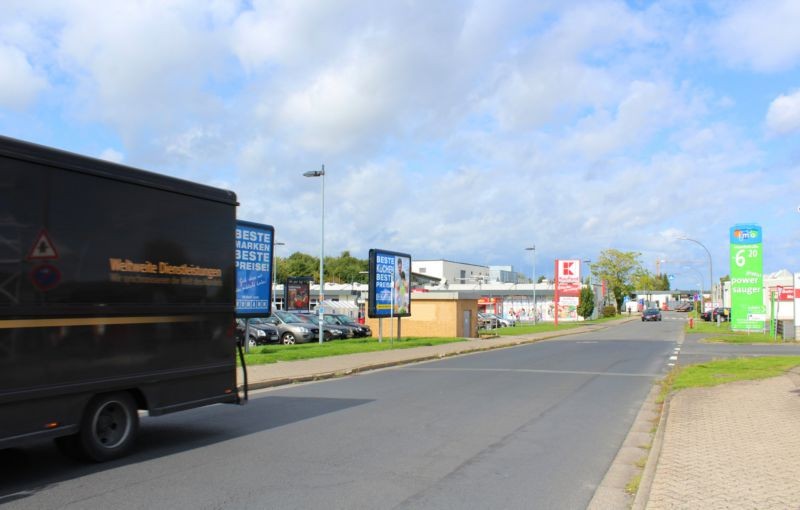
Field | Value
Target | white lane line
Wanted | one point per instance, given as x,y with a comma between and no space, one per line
526,370
673,358
670,364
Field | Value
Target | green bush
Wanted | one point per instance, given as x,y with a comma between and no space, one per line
609,311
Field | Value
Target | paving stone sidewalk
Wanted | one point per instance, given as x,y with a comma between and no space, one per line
733,446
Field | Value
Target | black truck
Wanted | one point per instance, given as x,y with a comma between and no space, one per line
117,294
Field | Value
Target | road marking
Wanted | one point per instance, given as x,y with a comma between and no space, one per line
526,370
670,364
673,358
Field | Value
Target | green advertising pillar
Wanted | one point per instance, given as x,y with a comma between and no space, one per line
748,311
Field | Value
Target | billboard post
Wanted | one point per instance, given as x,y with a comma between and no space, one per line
389,287
254,248
748,312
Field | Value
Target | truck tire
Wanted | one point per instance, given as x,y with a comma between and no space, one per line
288,339
109,426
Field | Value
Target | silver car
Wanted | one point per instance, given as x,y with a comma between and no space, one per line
292,329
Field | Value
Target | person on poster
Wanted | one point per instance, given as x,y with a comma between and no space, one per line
400,289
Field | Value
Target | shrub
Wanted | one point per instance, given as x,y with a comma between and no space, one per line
609,311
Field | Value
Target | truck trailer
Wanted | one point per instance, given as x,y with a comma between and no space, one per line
117,294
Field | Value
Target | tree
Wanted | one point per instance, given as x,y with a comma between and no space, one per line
345,268
618,269
586,305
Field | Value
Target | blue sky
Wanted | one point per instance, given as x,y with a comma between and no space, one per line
451,129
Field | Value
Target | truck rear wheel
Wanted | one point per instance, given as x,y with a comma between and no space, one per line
109,426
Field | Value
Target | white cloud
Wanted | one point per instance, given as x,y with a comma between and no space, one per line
112,155
760,35
21,83
783,115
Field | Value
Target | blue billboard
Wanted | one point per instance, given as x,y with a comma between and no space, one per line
389,284
254,248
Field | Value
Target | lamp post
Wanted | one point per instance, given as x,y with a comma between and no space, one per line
275,270
535,311
321,173
710,266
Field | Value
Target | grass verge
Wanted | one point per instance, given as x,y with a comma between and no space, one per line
729,370
723,334
274,353
542,327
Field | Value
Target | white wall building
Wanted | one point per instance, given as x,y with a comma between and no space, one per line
451,272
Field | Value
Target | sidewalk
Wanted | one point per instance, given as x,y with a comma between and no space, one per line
730,446
289,372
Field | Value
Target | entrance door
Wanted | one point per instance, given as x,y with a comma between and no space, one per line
467,326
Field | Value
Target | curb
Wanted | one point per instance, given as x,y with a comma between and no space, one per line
320,376
646,484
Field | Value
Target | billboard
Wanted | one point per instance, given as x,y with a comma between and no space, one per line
297,293
568,288
748,311
389,284
254,245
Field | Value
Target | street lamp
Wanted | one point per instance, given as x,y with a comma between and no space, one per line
710,265
535,311
321,173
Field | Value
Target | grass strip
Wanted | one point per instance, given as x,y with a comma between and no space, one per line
729,370
543,327
722,334
274,353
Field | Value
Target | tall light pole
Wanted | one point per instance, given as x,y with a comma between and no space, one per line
710,266
321,173
535,311
275,270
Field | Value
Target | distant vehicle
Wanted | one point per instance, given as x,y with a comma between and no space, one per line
260,332
293,329
684,307
359,330
651,314
706,315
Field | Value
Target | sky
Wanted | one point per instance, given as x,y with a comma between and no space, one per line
459,130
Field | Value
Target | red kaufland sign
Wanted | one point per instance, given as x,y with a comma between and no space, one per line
567,289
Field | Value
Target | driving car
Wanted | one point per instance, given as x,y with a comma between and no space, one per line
260,332
292,329
359,330
651,314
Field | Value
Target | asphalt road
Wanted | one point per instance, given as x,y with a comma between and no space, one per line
534,426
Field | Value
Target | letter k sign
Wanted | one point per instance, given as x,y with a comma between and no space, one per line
566,269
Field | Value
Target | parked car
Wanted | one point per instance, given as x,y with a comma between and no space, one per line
723,313
502,322
651,314
329,331
706,315
260,332
486,321
292,329
360,330
684,307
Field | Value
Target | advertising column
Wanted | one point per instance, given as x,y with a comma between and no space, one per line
748,311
